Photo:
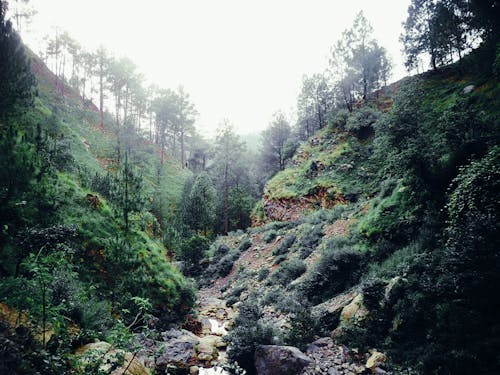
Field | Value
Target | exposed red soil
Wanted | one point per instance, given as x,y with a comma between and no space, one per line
294,208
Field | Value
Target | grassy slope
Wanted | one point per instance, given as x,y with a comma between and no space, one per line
93,150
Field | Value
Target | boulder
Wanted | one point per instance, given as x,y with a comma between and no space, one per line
125,362
179,350
468,89
376,359
207,349
328,313
354,312
277,360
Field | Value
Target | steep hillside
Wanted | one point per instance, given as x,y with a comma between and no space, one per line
83,257
382,234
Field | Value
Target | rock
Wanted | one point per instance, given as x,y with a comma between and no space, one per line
124,363
194,370
277,360
468,89
354,312
328,313
375,360
319,344
207,347
390,286
332,371
179,350
177,353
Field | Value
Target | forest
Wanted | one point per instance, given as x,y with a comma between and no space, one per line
360,236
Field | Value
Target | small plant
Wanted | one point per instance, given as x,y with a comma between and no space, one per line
289,271
310,238
285,244
269,235
338,268
245,245
263,273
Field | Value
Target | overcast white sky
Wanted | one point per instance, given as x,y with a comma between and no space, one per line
241,60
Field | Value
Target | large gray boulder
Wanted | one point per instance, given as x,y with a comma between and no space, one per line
278,360
178,349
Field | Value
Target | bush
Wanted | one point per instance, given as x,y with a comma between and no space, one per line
245,244
193,250
339,120
280,259
302,329
248,332
269,235
263,273
288,272
309,239
362,119
373,292
225,266
232,300
285,244
237,290
222,250
337,269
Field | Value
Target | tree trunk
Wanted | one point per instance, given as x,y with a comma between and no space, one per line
101,93
183,162
117,107
226,200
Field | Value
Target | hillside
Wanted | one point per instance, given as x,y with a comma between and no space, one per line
376,235
83,255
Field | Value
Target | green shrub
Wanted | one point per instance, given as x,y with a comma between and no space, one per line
193,250
237,290
245,245
280,259
230,301
365,117
284,245
309,239
288,271
269,236
263,273
222,250
248,332
224,267
302,329
337,269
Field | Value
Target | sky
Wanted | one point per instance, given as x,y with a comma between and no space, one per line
238,60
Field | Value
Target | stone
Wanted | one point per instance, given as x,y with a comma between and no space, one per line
468,89
375,360
319,344
354,312
277,360
194,370
207,347
179,350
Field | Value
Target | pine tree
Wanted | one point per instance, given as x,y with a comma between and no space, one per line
201,205
16,80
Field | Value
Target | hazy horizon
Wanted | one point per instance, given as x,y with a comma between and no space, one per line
238,60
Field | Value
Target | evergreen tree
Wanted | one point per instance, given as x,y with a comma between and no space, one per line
16,80
198,209
228,154
274,138
358,65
